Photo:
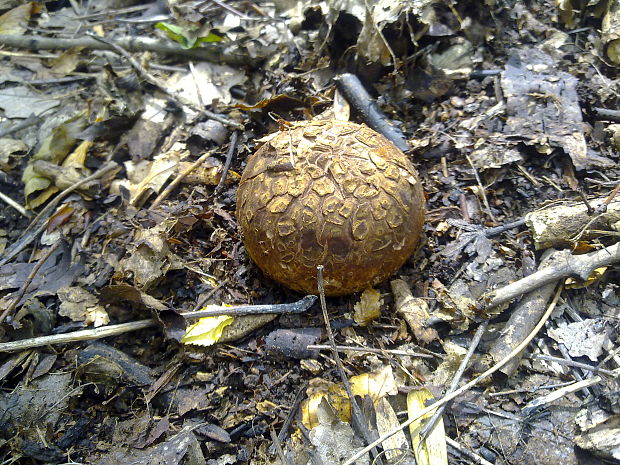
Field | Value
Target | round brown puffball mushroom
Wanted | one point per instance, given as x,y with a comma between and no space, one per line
330,193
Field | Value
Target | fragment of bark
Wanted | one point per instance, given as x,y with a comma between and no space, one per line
521,322
599,431
414,311
562,225
233,54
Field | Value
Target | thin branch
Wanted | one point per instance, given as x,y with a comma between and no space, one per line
176,181
9,201
75,336
300,306
229,53
357,96
572,363
567,265
466,452
356,411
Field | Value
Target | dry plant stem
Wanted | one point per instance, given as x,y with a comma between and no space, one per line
232,147
38,222
457,378
28,280
214,53
356,411
483,192
295,307
581,266
201,303
467,386
162,87
9,201
540,402
76,336
403,353
572,363
176,181
466,452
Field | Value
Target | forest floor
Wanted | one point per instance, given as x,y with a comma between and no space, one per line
124,129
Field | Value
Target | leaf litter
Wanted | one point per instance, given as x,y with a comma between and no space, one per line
121,147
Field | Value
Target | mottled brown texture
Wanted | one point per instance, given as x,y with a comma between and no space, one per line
352,202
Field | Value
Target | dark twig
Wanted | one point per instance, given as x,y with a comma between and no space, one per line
278,447
356,411
232,148
357,96
28,280
607,114
295,307
203,300
457,378
38,224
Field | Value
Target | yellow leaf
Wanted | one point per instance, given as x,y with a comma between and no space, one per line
207,331
433,450
265,406
368,308
376,384
15,21
337,397
77,158
572,283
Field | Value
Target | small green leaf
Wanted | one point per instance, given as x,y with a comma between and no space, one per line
177,34
210,38
187,39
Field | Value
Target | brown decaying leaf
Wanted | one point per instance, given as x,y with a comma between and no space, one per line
15,21
414,311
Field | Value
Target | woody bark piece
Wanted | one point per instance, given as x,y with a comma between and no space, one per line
522,321
414,311
564,224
